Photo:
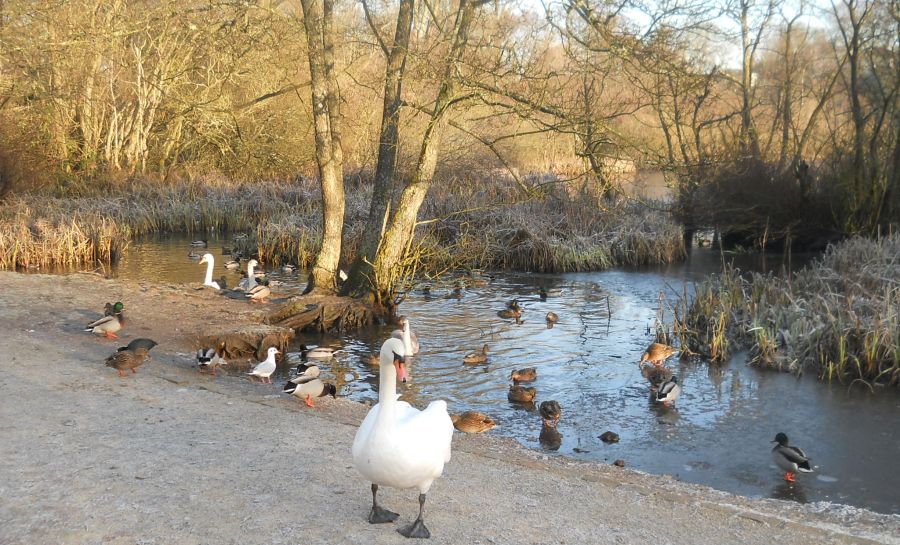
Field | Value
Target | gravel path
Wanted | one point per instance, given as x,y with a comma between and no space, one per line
170,456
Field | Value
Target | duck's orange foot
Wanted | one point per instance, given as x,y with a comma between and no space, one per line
309,402
789,477
121,373
134,371
111,335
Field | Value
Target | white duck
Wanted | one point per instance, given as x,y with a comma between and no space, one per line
248,283
398,445
265,368
210,263
405,334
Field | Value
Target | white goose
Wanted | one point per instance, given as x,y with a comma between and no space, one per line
265,368
208,281
405,334
399,446
248,283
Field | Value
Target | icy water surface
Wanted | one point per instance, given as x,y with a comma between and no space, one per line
718,435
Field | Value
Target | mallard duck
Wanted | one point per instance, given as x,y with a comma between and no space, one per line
210,263
399,446
233,265
550,412
521,394
657,354
790,459
211,358
542,293
139,343
370,359
552,318
123,360
222,282
110,309
309,370
407,335
457,292
194,255
265,368
473,422
527,374
288,268
510,313
259,293
310,388
656,375
668,392
108,325
479,356
198,243
513,305
317,353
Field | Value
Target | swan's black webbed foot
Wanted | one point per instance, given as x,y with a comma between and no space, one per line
379,514
416,529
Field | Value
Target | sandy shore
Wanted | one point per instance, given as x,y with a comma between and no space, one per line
170,456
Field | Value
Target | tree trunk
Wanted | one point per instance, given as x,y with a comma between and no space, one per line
318,20
359,282
399,232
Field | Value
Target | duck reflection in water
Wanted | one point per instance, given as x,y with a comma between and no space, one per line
550,437
785,490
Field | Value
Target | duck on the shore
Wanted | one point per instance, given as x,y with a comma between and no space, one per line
657,354
259,293
479,356
473,422
668,392
109,325
407,335
265,368
307,387
210,263
398,445
211,358
527,374
139,343
123,360
310,370
790,459
521,394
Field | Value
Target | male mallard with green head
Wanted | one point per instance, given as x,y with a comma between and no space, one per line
790,459
109,325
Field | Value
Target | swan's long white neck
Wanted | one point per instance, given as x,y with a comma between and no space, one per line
387,392
407,338
250,278
209,271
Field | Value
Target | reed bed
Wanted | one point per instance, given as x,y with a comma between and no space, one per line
478,226
838,317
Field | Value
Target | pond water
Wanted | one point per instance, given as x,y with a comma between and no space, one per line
718,435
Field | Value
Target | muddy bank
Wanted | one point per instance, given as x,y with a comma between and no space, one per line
170,456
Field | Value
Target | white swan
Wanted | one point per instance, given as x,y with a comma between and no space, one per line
265,368
208,281
406,334
248,283
398,445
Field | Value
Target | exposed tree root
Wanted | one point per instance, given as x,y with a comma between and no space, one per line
323,313
249,341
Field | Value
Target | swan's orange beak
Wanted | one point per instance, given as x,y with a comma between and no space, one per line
401,370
